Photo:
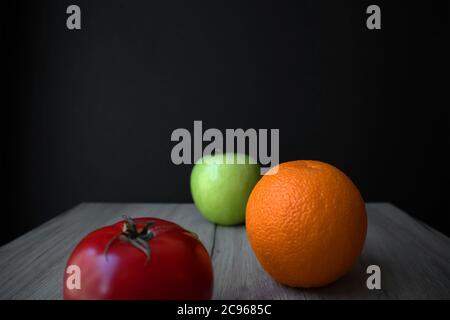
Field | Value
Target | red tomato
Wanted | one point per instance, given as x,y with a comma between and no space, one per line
142,258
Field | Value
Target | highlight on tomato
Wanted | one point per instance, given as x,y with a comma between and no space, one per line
139,259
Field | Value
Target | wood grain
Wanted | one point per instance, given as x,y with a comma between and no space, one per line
238,275
414,258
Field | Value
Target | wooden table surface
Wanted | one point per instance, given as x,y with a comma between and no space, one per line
414,259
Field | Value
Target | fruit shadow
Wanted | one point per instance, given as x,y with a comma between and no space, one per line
353,285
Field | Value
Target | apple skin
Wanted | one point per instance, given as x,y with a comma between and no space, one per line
220,187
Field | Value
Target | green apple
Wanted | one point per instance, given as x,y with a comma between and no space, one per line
221,185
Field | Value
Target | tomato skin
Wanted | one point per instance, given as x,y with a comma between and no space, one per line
179,266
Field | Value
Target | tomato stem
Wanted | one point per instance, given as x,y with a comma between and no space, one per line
137,238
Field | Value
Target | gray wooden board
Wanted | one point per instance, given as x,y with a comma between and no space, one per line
414,259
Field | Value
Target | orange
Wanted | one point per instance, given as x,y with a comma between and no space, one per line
306,223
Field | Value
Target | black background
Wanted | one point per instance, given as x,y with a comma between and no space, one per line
87,115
